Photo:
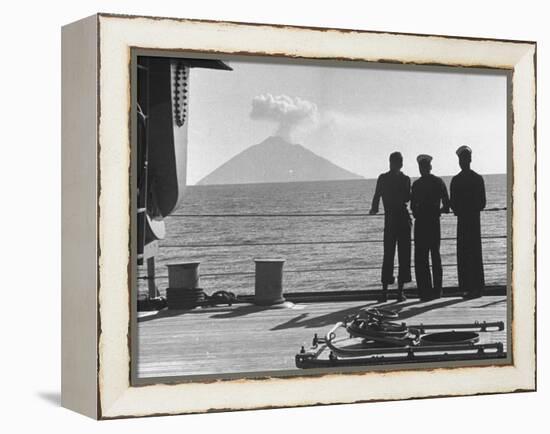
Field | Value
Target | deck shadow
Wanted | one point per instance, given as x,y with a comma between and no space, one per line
493,303
398,306
302,320
169,313
405,311
409,312
242,311
215,312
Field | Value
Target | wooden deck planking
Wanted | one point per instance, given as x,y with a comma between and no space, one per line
247,338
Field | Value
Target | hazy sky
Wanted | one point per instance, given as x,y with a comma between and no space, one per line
361,115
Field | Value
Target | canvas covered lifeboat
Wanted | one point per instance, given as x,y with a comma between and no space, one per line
162,112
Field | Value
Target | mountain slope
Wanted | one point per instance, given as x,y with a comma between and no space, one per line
275,160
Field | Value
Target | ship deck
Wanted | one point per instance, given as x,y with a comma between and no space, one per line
249,338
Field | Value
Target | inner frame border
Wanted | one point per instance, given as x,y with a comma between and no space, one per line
136,52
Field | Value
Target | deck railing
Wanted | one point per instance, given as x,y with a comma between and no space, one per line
296,243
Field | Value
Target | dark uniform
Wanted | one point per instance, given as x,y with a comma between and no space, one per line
467,200
428,193
395,190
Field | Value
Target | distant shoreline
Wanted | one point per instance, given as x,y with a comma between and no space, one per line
325,181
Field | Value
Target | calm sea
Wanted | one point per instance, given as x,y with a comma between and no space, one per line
224,245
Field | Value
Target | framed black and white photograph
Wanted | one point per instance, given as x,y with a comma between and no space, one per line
262,223
287,216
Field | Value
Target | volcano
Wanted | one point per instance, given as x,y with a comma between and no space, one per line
276,160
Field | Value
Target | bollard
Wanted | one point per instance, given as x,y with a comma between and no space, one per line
184,275
183,290
269,282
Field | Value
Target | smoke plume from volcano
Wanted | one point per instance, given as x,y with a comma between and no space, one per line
287,112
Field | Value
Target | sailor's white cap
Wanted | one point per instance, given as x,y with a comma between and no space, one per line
424,157
463,149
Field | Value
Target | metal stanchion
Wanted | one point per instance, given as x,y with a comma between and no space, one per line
184,290
269,282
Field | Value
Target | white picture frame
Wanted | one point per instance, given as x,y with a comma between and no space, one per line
96,312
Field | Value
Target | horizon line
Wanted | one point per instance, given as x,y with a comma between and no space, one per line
328,180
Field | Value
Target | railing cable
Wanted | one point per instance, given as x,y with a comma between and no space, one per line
268,215
294,243
307,270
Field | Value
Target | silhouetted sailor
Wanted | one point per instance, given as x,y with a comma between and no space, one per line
429,199
467,201
394,188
